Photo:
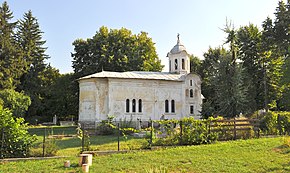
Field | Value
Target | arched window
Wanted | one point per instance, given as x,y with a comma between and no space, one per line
169,65
183,64
176,64
127,105
191,93
133,105
172,106
140,105
191,109
166,106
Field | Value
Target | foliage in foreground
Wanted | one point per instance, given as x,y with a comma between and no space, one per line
18,102
15,138
275,123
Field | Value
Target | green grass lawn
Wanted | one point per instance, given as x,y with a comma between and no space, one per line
71,146
254,155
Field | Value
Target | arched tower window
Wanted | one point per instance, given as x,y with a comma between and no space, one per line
133,105
127,105
183,64
172,106
140,105
175,64
166,106
170,65
191,93
191,109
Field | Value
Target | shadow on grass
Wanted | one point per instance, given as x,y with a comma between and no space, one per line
56,130
94,141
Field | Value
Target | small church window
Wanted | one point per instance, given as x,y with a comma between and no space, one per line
170,65
183,64
191,93
176,64
190,81
140,105
166,106
191,109
133,105
127,105
172,106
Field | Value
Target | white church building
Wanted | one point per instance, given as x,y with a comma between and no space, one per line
141,94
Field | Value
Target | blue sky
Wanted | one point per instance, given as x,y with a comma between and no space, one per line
199,22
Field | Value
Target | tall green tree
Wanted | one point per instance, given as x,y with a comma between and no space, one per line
249,43
281,27
115,50
60,98
281,30
209,70
229,86
29,38
11,62
231,101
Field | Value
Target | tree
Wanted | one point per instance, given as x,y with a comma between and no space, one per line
229,85
29,38
209,70
17,102
16,141
42,106
115,50
11,62
61,96
281,27
281,34
231,101
195,64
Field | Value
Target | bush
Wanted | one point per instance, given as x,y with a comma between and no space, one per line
50,149
106,127
16,139
274,123
17,102
194,132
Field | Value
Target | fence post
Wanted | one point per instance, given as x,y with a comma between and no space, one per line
258,128
43,145
2,141
151,133
257,123
118,137
279,124
83,136
209,122
235,129
180,124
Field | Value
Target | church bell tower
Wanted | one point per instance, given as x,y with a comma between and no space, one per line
179,61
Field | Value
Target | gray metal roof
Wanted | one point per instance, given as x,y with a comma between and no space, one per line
178,47
138,75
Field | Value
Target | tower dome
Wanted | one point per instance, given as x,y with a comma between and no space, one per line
178,47
178,59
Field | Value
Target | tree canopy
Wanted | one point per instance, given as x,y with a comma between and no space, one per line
115,50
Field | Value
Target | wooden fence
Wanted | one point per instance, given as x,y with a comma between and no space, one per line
235,125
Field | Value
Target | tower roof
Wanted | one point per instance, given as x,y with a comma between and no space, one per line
178,47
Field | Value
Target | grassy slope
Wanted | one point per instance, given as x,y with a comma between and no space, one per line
255,155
